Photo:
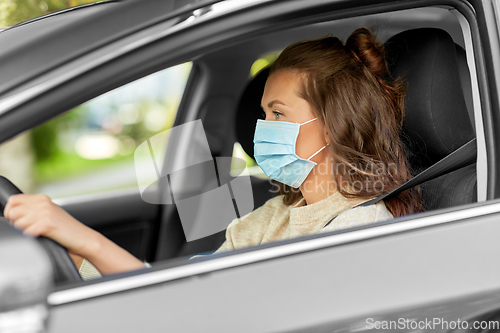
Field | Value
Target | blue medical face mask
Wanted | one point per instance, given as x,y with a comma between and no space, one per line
274,151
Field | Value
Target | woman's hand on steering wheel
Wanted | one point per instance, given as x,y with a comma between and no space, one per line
37,215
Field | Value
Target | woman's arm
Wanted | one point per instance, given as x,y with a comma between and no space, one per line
37,215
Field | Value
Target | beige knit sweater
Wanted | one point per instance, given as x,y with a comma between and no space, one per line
276,221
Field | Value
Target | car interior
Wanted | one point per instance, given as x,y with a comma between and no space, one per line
438,117
424,46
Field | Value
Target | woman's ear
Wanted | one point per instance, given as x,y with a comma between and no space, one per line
326,137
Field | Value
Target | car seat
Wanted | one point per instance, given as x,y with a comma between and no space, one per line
438,109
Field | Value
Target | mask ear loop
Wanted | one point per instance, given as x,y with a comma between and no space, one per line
307,122
316,153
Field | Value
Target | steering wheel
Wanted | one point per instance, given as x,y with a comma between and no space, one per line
64,268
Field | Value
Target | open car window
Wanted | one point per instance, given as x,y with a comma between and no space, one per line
439,193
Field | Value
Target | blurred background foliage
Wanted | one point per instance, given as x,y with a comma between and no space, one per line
16,11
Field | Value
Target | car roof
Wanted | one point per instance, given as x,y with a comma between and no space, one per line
38,45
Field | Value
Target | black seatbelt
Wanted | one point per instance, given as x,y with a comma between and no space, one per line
463,156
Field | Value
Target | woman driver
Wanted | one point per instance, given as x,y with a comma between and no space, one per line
330,139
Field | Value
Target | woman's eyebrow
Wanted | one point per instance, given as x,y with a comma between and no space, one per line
276,101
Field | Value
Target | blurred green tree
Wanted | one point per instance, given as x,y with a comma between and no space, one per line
16,11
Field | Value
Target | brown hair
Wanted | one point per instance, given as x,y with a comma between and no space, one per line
351,92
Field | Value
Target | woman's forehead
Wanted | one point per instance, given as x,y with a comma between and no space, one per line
282,86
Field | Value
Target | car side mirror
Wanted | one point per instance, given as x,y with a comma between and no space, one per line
26,279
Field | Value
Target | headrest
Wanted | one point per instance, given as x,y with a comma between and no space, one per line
436,119
249,110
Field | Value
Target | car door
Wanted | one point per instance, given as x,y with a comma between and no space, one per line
433,268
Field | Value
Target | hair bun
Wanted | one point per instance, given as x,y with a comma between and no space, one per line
365,48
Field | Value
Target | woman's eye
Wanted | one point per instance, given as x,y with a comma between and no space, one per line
277,115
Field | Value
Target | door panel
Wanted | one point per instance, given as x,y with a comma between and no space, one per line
121,216
440,271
